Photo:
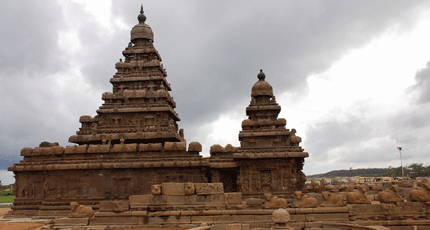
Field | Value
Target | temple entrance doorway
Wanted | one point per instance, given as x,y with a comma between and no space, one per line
229,179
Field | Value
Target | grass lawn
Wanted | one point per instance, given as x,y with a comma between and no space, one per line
7,199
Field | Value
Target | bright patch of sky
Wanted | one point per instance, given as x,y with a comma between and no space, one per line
100,10
378,73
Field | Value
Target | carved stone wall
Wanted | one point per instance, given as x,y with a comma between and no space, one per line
74,185
277,176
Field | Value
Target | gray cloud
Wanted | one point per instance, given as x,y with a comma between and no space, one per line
422,85
212,51
372,141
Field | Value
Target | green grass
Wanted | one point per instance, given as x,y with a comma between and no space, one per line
7,199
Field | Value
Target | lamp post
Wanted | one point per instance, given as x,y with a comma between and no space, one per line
401,162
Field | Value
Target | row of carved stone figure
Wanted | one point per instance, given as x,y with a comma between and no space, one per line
358,196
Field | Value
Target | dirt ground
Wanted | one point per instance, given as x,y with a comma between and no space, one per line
16,226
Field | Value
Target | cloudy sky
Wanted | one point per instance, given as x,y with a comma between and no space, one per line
351,76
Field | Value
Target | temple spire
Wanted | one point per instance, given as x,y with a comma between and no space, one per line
141,17
261,76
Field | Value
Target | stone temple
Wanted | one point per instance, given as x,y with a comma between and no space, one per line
130,167
134,142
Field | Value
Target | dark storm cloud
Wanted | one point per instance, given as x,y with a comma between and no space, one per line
29,35
31,63
217,55
28,52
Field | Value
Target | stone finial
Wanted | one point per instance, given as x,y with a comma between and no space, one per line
281,216
141,17
261,76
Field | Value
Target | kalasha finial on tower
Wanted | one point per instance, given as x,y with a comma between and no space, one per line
261,76
141,17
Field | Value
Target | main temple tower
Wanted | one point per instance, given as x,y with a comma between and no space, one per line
131,144
140,108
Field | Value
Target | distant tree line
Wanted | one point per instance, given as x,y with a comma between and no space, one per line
413,170
352,173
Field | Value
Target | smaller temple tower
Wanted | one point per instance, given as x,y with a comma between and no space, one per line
270,158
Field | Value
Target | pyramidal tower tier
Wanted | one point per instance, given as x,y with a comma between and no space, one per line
263,131
140,108
270,158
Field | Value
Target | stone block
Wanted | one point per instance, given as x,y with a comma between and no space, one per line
113,214
234,219
37,151
139,213
328,217
263,218
209,188
233,198
121,220
25,152
218,199
175,146
175,200
169,220
124,148
156,189
130,148
218,227
254,201
304,210
166,213
194,147
254,212
98,149
140,199
71,221
121,206
211,212
173,189
106,206
57,150
298,218
216,149
228,212
233,227
190,189
330,209
191,199
190,213
150,147
158,199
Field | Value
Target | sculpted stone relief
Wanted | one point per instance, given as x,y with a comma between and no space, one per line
272,176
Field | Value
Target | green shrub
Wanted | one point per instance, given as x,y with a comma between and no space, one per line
7,193
7,199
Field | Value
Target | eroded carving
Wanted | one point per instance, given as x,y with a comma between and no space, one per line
79,211
358,196
304,201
